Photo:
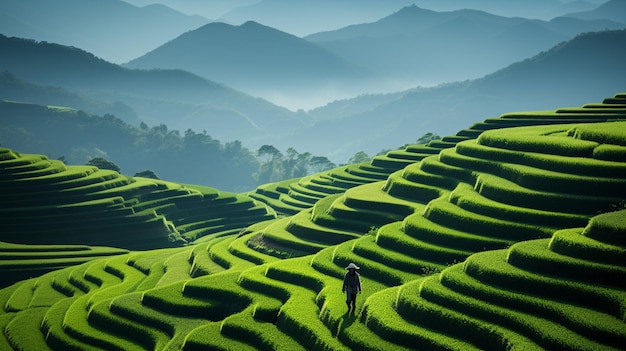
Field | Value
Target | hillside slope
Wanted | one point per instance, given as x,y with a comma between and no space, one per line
495,243
612,10
14,89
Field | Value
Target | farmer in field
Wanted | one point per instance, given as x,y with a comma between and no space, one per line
351,285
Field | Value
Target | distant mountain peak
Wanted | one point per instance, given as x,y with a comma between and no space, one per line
252,24
411,10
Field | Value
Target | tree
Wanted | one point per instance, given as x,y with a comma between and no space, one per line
147,174
103,163
428,137
269,158
359,157
268,153
319,164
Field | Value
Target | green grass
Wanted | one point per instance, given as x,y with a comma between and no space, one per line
303,227
240,248
465,197
367,247
572,243
531,256
608,227
19,331
491,326
277,234
583,165
508,192
584,321
445,213
551,139
393,237
491,268
380,317
607,133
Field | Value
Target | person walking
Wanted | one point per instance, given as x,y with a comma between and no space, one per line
351,286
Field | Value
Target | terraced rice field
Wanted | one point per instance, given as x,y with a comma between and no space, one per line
55,215
511,238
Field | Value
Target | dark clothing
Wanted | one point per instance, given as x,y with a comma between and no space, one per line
351,286
351,282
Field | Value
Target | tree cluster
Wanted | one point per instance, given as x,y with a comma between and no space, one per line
158,152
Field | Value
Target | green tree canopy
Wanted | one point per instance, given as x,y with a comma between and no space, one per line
103,163
147,174
359,157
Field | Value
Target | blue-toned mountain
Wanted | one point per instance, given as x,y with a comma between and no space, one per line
302,17
614,10
259,60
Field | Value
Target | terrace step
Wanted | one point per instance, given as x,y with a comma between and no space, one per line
433,306
393,238
578,319
492,268
382,319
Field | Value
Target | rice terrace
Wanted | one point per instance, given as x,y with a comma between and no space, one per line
508,235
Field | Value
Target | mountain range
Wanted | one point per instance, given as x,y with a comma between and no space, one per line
304,17
425,47
412,47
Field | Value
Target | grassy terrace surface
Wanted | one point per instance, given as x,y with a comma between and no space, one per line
495,243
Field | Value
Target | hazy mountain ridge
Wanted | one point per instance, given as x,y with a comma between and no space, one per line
111,29
208,9
613,10
257,59
302,17
195,102
424,47
15,89
537,9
